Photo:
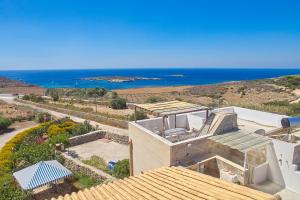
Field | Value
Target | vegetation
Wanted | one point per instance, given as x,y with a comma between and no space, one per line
97,162
25,149
43,117
86,181
121,169
155,99
121,123
138,115
77,92
55,96
118,103
33,98
292,82
4,123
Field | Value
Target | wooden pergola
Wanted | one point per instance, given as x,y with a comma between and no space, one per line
170,108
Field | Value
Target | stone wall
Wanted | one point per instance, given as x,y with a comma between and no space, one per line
79,167
89,137
98,134
121,139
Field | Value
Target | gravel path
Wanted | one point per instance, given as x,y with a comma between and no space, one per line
7,136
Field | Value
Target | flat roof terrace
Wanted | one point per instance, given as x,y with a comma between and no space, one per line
190,125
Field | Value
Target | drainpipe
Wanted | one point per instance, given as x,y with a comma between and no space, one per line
131,157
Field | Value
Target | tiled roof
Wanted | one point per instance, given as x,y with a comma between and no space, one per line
169,183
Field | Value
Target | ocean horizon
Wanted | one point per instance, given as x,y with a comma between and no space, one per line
156,77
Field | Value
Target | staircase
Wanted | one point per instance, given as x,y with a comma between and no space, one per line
205,128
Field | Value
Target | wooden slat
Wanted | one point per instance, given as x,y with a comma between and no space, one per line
169,183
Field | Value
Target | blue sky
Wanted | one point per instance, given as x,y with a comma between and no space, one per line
42,34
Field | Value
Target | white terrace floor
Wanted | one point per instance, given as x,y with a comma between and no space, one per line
107,151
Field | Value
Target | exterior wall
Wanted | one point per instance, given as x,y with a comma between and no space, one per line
269,119
284,153
195,121
149,151
213,165
260,173
188,151
226,152
151,124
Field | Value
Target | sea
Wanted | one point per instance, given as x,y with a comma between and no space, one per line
72,78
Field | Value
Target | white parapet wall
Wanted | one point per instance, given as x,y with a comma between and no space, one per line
260,117
283,164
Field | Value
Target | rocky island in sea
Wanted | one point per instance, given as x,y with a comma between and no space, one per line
117,79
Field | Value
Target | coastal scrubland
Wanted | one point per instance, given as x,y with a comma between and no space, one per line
111,107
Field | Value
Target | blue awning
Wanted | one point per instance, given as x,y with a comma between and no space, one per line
41,174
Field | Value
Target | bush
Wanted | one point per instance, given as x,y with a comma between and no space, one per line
114,95
55,96
278,103
26,97
43,117
6,153
121,169
97,162
4,123
118,103
31,153
154,99
8,191
33,98
80,129
61,138
138,115
55,130
86,181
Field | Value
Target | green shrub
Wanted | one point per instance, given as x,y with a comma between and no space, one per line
154,99
86,181
8,191
4,123
278,103
138,115
43,117
121,169
61,138
55,130
55,96
33,98
26,97
97,162
82,128
118,103
30,154
114,95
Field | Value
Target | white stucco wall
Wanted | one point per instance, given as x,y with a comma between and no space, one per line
149,150
260,173
285,152
195,121
269,119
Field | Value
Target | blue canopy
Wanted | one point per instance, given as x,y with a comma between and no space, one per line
41,174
